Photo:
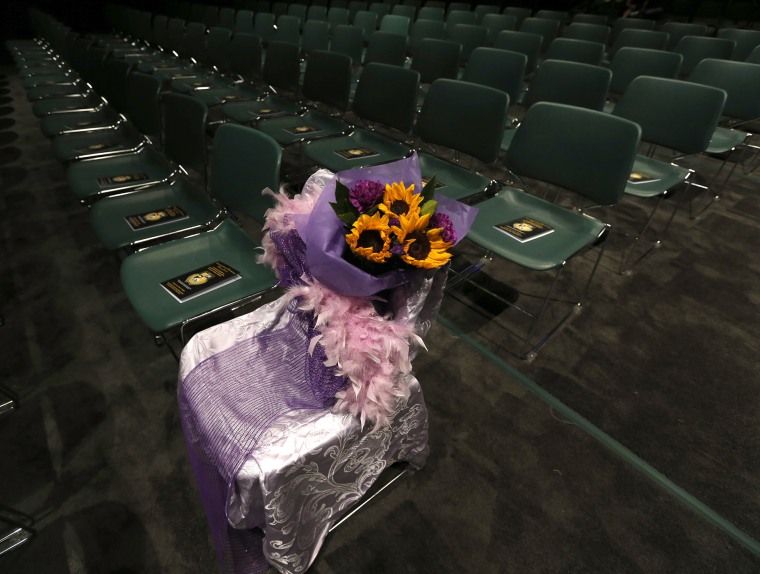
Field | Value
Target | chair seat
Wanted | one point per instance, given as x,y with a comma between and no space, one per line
725,140
41,69
83,176
252,111
285,131
664,176
109,216
189,85
77,146
53,91
65,104
325,152
60,77
56,124
143,272
456,182
223,94
572,231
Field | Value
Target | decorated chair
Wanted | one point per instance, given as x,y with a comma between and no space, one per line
291,413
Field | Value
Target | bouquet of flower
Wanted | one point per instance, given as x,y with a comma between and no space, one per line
372,227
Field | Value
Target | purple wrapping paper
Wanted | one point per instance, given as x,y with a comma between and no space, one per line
325,235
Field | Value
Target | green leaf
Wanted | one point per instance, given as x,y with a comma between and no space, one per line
347,218
343,207
428,207
428,190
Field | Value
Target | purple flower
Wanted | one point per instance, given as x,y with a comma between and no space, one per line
365,194
397,250
447,227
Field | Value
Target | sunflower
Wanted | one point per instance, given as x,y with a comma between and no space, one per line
422,247
370,237
400,200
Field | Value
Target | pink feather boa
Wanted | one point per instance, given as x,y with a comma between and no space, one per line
371,351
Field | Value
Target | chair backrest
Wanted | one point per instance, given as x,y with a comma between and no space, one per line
741,82
337,17
210,15
356,6
630,63
621,24
407,10
431,13
694,49
185,131
496,23
522,42
470,36
226,18
193,43
547,28
380,8
316,12
175,31
455,17
386,48
583,18
422,29
263,26
348,40
328,79
754,56
144,109
288,29
367,21
279,9
585,151
746,41
436,59
245,162
395,24
388,95
298,11
518,12
482,10
245,58
500,69
575,51
636,38
315,36
570,83
244,22
559,15
282,66
588,32
115,86
677,30
218,48
673,113
464,116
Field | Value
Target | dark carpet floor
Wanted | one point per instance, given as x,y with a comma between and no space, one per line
664,361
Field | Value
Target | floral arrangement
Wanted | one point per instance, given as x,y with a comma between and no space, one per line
391,225
361,234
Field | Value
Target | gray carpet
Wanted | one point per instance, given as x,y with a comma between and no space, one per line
663,361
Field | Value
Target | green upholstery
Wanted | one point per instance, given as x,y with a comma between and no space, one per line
547,28
93,144
584,18
522,42
263,26
431,13
746,41
572,50
385,95
395,24
56,90
495,23
483,10
435,59
83,103
348,40
559,15
288,30
244,163
636,38
465,117
500,69
571,83
365,20
664,176
337,16
386,48
630,63
315,36
243,22
422,29
621,24
143,272
587,31
584,151
248,160
694,49
56,124
677,30
518,12
327,81
470,36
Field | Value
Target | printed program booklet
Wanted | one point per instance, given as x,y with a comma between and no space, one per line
438,183
156,217
298,130
639,177
119,179
356,153
195,283
525,229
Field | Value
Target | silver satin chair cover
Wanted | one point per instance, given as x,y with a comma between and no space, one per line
284,472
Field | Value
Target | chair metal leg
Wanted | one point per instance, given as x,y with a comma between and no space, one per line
19,529
8,400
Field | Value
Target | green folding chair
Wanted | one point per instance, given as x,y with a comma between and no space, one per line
495,23
745,41
227,247
585,152
500,69
435,59
465,118
522,42
547,28
385,97
572,50
679,116
586,31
